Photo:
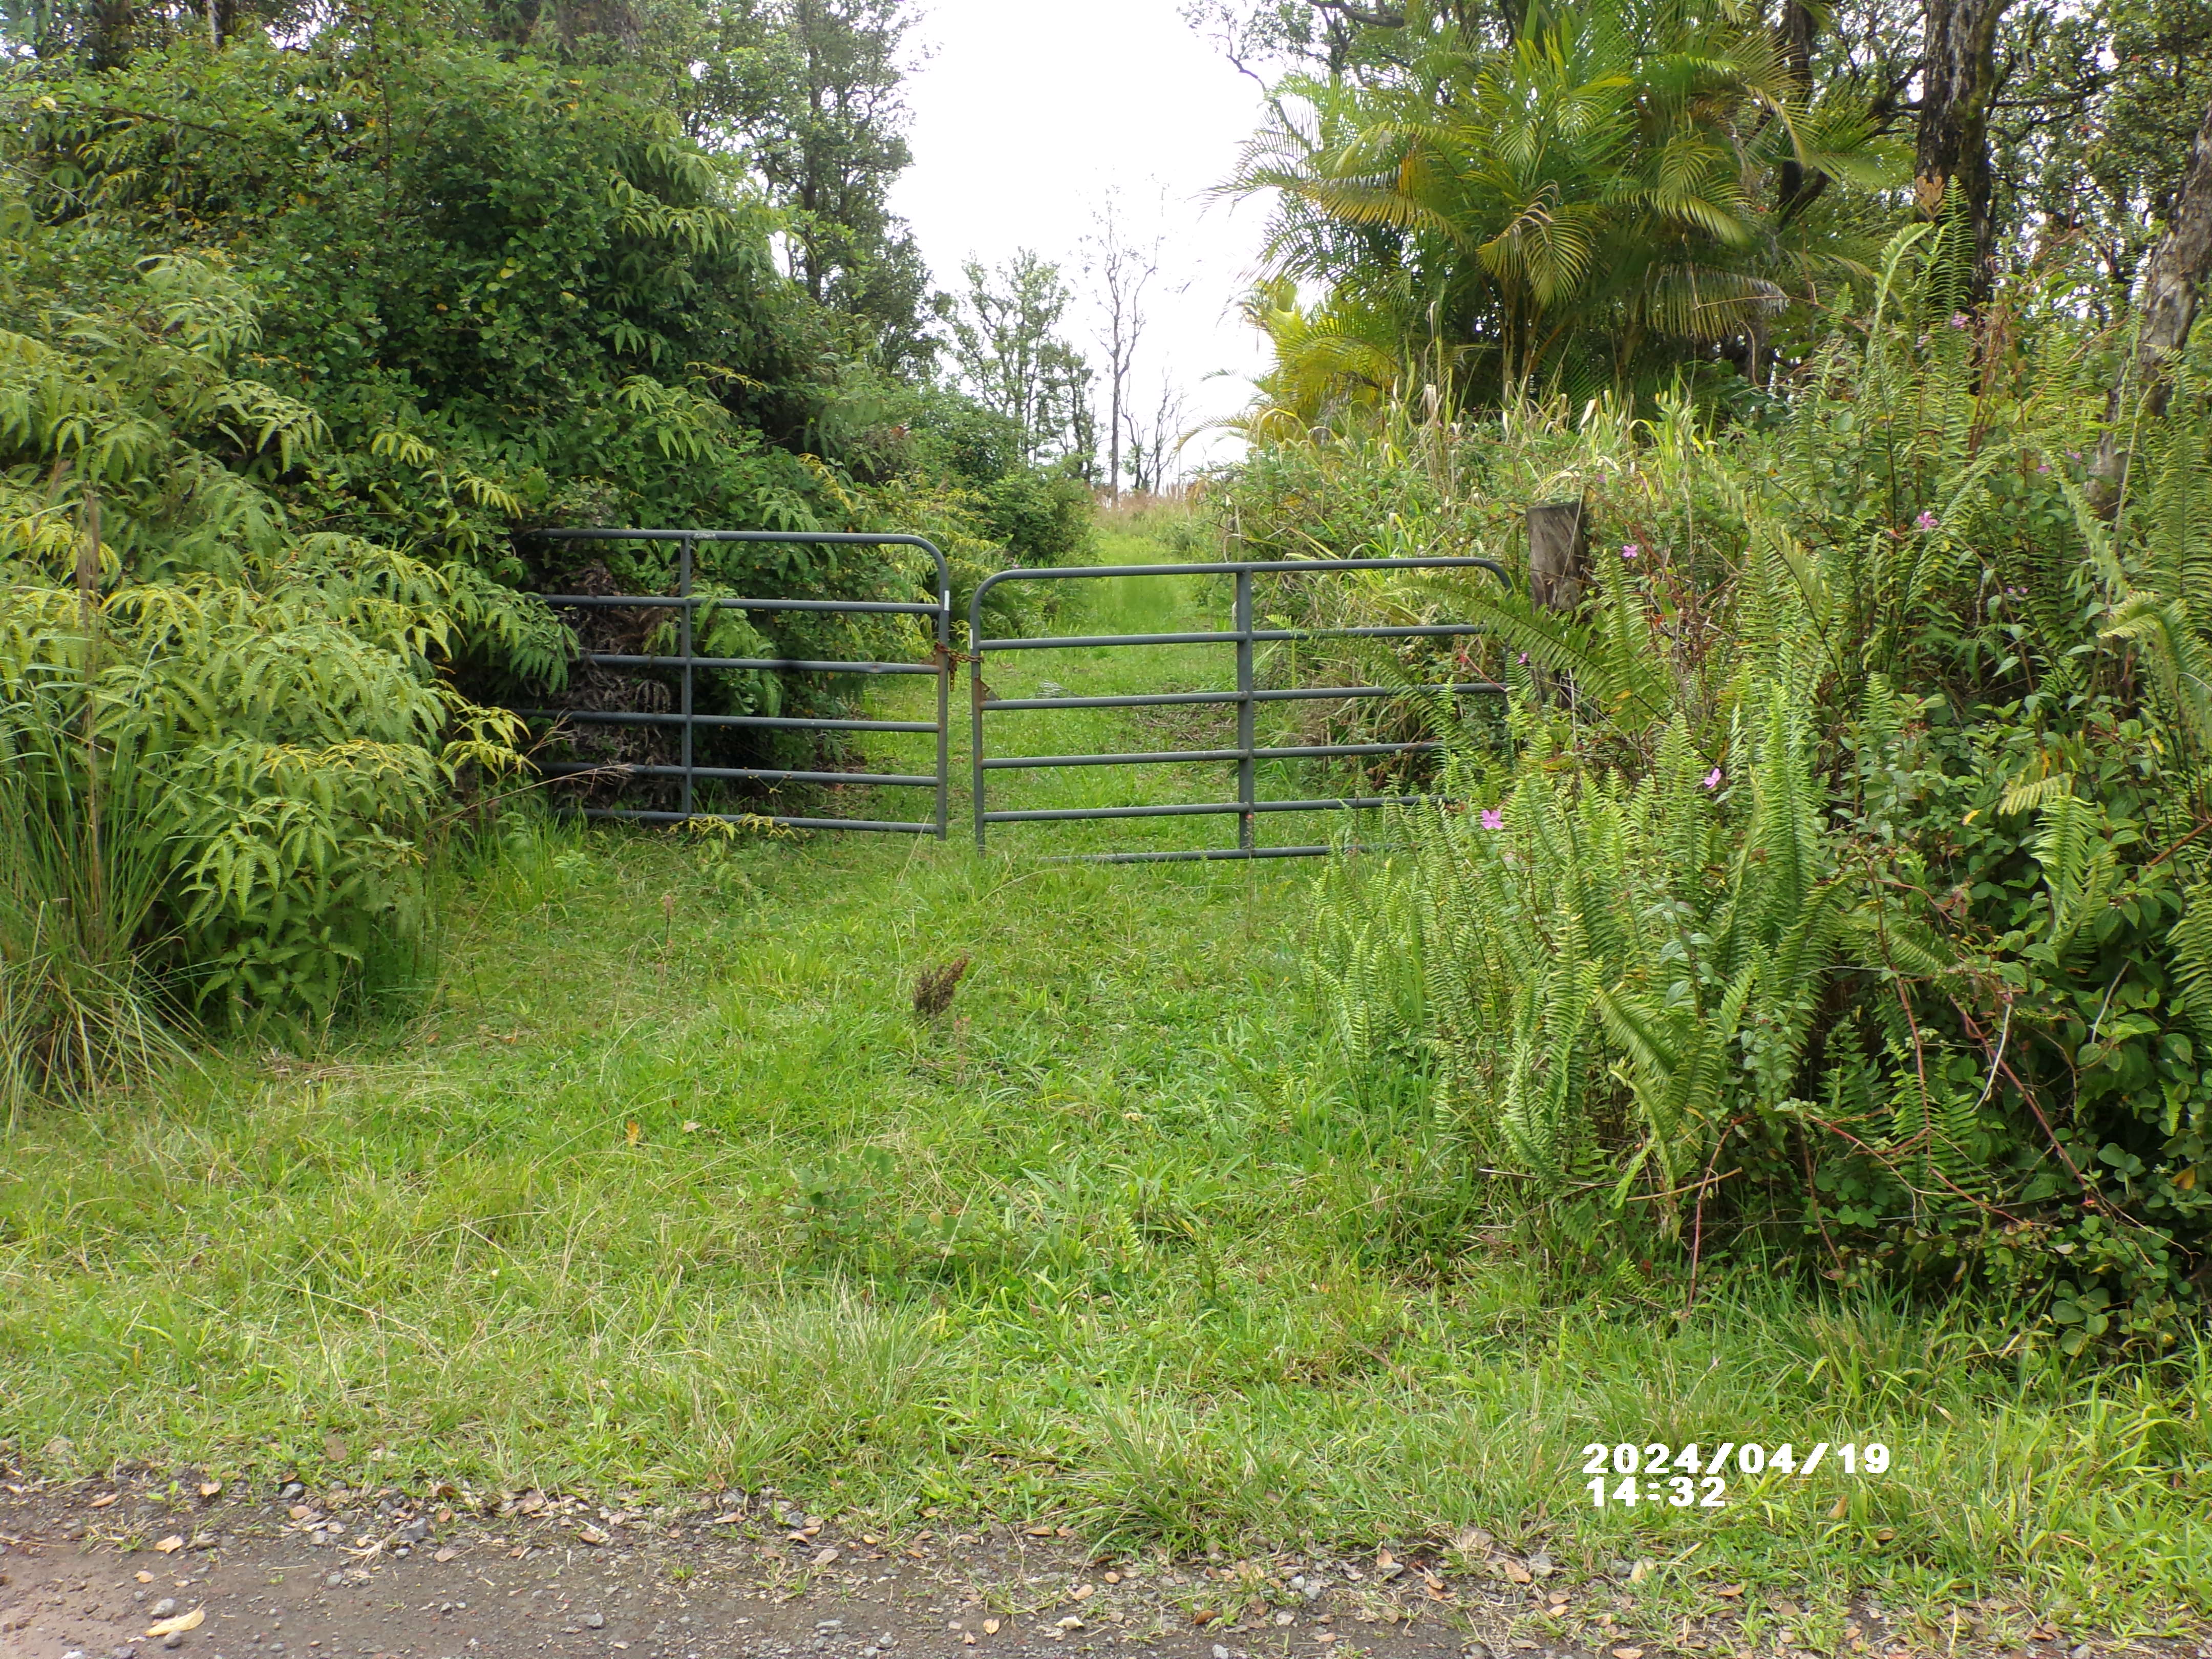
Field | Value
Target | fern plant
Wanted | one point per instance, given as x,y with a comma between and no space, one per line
1602,965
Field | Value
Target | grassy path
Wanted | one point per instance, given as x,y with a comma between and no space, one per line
669,1187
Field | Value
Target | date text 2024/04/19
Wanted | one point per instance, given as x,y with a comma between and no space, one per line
1682,1477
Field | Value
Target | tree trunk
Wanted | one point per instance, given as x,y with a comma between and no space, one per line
2173,283
1954,120
1799,184
2174,279
1114,417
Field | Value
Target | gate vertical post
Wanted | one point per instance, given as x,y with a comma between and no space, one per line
944,667
683,592
976,721
1246,726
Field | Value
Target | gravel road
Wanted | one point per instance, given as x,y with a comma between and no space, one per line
145,1565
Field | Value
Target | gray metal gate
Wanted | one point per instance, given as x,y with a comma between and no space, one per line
1247,697
687,720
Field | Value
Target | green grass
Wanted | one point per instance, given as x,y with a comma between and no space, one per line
1106,1242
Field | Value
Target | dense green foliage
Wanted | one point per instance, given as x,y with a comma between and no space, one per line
1838,885
1007,337
1597,194
1575,206
1834,884
489,271
305,334
811,88
224,733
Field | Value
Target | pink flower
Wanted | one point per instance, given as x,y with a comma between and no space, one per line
1927,521
1634,549
1960,319
1493,817
1523,658
1713,779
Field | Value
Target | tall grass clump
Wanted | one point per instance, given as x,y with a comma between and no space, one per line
1836,883
78,889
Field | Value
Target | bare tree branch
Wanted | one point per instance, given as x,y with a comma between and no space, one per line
1373,18
1125,269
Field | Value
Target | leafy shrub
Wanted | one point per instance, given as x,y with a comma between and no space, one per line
538,284
222,742
541,301
1040,518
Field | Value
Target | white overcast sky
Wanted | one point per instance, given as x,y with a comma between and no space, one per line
1027,112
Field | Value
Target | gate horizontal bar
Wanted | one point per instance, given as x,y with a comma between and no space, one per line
1256,567
1068,814
641,815
1023,762
1297,751
1298,694
782,722
1229,636
1203,855
611,659
1211,636
674,602
756,774
830,538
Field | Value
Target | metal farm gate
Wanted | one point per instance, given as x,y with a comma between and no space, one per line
1247,697
688,722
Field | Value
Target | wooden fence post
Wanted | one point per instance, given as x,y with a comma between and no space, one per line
1559,570
1558,555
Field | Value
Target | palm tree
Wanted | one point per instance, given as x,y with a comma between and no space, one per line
1561,206
1335,362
